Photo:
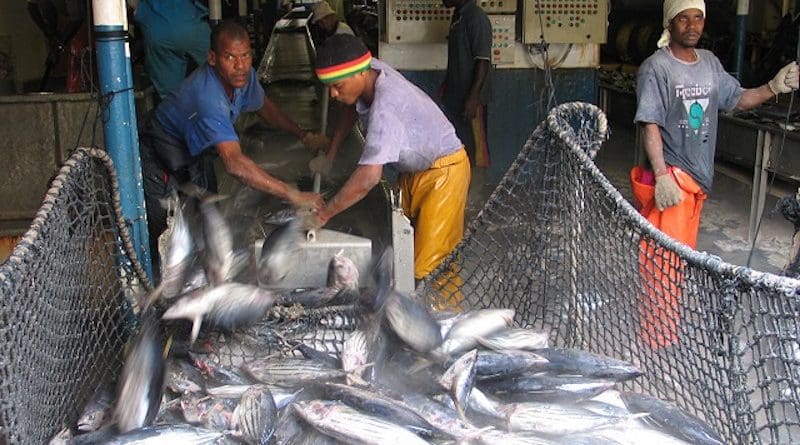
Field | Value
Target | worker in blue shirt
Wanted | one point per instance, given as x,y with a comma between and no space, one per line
194,124
174,33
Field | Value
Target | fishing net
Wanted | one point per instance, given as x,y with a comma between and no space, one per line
560,245
64,310
280,333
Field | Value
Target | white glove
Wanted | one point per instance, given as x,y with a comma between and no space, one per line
668,193
321,164
315,142
786,80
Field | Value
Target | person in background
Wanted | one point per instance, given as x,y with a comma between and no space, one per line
45,14
680,89
405,130
324,18
194,124
467,85
175,35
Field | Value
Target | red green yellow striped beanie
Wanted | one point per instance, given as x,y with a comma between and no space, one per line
341,56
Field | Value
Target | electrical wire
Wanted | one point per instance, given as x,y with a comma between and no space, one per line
547,97
780,153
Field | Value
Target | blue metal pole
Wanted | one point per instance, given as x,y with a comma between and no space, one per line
742,11
119,118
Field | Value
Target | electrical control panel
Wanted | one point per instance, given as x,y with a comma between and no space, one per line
497,6
565,21
503,27
417,21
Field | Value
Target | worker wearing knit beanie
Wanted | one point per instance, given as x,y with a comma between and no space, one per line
407,131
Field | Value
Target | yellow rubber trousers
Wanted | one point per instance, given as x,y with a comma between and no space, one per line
435,201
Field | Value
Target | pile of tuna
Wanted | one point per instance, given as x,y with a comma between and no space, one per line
355,365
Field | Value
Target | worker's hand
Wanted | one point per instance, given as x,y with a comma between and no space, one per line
668,193
471,108
321,164
316,142
306,200
786,80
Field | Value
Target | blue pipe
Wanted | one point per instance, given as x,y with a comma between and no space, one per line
742,11
120,131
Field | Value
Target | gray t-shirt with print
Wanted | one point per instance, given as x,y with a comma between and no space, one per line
684,98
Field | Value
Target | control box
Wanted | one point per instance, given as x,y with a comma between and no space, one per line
417,21
503,28
565,21
496,6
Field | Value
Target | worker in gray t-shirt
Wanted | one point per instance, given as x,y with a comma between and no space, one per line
405,130
679,91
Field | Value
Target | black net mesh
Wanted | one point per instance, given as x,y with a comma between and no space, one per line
64,313
280,333
560,245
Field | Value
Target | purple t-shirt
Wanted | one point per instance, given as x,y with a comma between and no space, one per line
405,128
200,113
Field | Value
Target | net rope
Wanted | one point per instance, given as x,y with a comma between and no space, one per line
558,243
66,308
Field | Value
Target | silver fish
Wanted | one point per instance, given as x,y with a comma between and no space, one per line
669,418
179,253
289,429
459,379
354,356
279,252
142,380
216,373
515,339
215,414
587,364
476,324
183,377
290,372
97,410
555,419
346,424
175,434
440,417
626,433
256,416
546,388
377,404
219,242
412,322
490,363
228,305
342,273
313,297
494,437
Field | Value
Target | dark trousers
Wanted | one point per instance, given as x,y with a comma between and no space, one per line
166,163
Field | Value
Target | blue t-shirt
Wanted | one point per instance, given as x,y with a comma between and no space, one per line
405,128
200,113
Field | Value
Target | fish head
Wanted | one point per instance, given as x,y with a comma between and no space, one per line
92,420
342,272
